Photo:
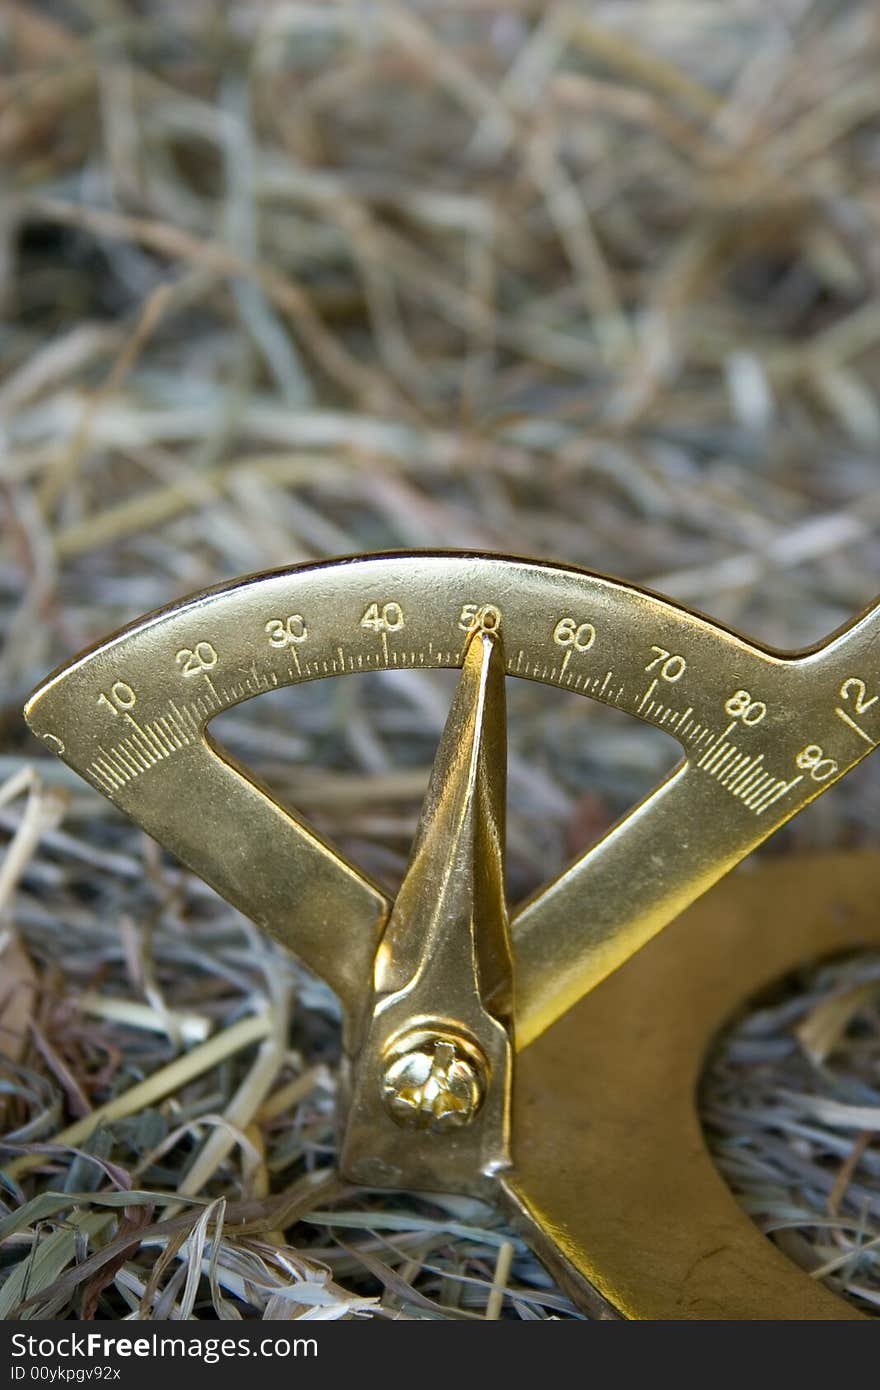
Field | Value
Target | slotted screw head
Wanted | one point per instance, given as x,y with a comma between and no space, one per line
435,1085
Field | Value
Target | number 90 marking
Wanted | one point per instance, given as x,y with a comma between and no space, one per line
812,759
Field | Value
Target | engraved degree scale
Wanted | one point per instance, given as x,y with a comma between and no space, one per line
531,1056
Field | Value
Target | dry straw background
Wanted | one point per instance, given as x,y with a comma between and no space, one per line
596,282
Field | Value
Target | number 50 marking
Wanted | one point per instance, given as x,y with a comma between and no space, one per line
485,617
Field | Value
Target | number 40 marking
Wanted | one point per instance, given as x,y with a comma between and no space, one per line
387,619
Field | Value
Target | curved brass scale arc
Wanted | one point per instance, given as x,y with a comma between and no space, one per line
427,984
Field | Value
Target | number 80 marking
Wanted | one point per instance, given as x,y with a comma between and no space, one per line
742,706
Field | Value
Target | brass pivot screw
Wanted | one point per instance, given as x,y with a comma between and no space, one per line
434,1084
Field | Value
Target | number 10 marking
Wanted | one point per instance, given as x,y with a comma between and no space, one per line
121,697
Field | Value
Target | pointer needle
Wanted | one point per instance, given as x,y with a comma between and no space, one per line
443,979
448,932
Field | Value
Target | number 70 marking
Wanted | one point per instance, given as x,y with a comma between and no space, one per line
672,666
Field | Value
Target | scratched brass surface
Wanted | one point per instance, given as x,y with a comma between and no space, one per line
613,1180
762,734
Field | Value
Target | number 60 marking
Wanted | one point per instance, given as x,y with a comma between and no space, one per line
568,632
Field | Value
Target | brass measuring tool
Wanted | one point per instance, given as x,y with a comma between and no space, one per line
530,1057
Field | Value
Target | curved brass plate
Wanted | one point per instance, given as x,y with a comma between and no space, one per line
762,733
613,1179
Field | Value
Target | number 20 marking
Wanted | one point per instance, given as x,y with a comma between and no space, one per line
192,662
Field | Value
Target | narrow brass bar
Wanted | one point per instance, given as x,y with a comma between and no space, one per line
685,836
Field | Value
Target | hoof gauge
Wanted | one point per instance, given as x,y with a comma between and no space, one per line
535,1056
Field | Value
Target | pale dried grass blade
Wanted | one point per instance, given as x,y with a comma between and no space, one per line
824,1026
146,1093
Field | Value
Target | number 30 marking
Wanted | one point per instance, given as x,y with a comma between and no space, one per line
284,634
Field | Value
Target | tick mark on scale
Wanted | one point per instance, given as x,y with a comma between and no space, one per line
856,728
648,693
